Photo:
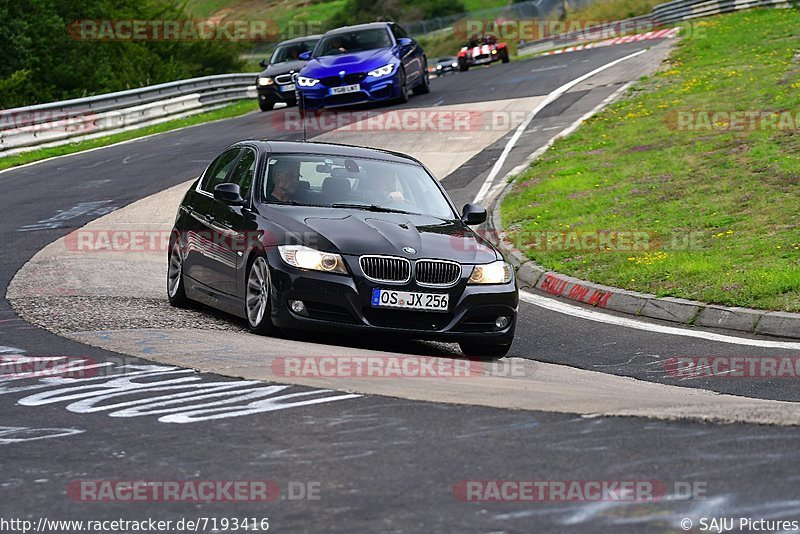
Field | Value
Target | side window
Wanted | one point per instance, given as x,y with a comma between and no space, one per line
219,169
243,173
398,32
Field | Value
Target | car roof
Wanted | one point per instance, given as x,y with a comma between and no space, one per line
299,39
334,149
356,27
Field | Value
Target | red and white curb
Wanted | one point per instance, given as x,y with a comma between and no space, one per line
668,33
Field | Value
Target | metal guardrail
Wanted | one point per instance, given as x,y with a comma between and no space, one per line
679,10
56,123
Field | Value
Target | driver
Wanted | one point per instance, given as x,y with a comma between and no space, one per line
386,192
285,178
338,44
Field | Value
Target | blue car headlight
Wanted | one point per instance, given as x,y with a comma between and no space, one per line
382,71
305,81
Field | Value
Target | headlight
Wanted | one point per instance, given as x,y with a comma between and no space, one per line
265,81
383,71
494,51
307,258
438,67
498,272
304,81
454,65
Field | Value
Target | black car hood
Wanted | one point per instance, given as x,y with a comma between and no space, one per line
283,68
358,232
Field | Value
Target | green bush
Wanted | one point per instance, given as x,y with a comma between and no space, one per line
360,11
42,63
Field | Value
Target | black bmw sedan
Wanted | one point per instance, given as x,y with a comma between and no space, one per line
324,237
276,83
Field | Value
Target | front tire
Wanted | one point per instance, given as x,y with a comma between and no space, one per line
176,291
266,105
403,97
484,351
257,305
504,56
424,87
462,65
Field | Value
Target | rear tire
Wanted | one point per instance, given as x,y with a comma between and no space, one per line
176,291
484,351
257,305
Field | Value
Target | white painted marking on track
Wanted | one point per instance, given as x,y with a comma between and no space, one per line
182,395
498,165
96,208
600,317
21,434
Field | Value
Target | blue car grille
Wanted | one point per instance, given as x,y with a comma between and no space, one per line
347,79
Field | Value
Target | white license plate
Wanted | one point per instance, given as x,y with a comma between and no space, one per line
286,88
409,300
345,89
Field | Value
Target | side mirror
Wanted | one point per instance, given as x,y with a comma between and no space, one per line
405,42
229,194
263,63
305,56
472,214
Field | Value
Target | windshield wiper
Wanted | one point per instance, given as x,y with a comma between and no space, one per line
368,207
286,202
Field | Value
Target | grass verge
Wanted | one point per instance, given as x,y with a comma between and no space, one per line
232,110
712,201
608,10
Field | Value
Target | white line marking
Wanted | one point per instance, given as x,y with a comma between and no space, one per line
498,188
593,315
498,165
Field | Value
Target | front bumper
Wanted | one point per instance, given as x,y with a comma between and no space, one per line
272,93
338,302
371,90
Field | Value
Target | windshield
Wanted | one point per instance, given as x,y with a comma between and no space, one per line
354,183
355,41
291,52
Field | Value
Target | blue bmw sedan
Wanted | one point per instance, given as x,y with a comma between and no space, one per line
373,62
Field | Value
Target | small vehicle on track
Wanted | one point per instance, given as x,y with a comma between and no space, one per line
376,62
276,83
444,65
324,237
482,51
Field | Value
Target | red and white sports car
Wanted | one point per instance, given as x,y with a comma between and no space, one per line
481,51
